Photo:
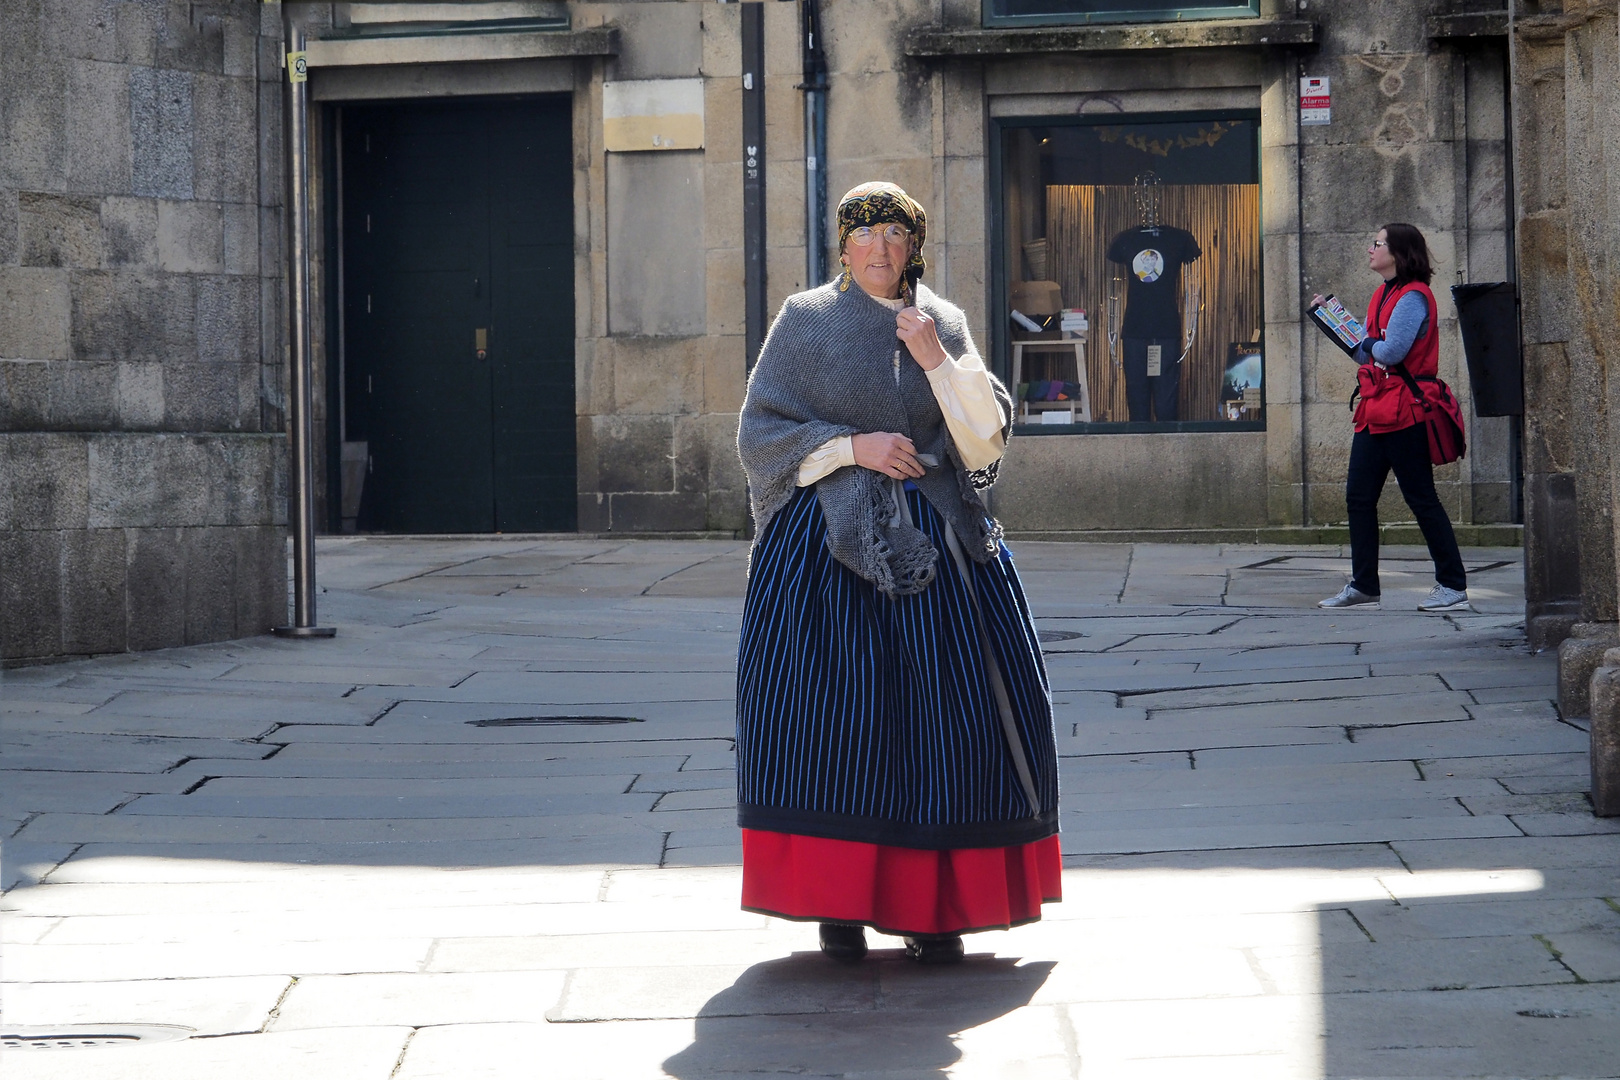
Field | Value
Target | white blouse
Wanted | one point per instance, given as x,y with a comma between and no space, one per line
972,414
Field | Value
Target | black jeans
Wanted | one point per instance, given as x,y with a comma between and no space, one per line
1162,390
1407,453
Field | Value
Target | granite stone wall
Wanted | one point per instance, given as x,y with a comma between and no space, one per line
142,497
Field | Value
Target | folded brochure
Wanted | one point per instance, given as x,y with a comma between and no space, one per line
1338,324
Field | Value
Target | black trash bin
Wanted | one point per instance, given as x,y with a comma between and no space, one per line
1488,314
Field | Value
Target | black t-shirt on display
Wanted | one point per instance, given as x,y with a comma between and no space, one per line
1154,258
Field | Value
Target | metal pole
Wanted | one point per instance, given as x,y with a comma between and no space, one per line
815,148
301,405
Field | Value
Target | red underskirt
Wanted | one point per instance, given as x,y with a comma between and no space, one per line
899,890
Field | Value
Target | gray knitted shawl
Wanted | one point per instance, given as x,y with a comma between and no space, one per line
828,369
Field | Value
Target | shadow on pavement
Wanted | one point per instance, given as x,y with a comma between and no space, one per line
806,1015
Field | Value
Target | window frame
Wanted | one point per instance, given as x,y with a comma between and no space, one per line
1189,13
1000,338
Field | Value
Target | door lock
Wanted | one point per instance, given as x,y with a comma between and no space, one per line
481,343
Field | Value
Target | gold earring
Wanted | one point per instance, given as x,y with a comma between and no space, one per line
844,279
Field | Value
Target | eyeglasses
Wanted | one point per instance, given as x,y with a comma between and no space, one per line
1376,244
891,234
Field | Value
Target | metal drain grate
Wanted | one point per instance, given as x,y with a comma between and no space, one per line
75,1037
548,721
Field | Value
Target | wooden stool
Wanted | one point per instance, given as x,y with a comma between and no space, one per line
1079,409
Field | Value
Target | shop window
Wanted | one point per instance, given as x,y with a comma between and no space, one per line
1129,260
1053,12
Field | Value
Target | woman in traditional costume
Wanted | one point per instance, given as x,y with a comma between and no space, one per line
895,758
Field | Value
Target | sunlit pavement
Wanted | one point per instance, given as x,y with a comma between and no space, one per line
1298,843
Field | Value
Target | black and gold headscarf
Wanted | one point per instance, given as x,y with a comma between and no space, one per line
878,202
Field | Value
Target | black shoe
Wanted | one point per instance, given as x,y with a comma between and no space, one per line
841,941
935,948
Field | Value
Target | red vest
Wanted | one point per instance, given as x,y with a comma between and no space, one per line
1386,403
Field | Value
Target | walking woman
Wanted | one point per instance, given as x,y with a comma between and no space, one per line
895,758
1403,332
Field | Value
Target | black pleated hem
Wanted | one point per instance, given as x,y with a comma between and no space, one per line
905,933
870,830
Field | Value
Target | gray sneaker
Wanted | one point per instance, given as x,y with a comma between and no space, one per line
1349,597
1444,599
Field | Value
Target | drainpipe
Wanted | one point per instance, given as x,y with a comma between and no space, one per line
753,103
815,147
300,407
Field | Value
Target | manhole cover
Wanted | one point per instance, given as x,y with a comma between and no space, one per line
546,721
87,1037
1060,635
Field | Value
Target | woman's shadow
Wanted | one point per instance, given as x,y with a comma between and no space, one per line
807,1015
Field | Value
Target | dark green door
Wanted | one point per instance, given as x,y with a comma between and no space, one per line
458,236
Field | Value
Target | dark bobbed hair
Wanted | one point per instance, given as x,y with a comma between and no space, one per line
1413,259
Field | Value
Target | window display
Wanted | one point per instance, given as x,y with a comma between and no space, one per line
1131,261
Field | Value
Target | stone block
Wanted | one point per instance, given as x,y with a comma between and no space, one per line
227,320
209,557
93,566
158,481
1579,656
161,133
692,454
1201,481
722,205
33,122
725,374
83,395
655,229
10,246
657,376
722,122
133,315
34,313
1418,179
98,133
240,47
659,41
658,511
592,516
784,276
24,396
726,312
241,222
139,395
155,571
30,594
191,41
59,230
722,42
47,480
190,236
633,452
224,139
963,119
1605,730
129,228
261,578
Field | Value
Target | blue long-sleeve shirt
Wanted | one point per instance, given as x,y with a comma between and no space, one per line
1407,323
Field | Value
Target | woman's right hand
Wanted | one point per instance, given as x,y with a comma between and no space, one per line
887,453
1318,300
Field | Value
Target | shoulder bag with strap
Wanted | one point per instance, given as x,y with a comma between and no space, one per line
1442,416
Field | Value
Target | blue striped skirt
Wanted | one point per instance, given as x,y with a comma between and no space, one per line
918,721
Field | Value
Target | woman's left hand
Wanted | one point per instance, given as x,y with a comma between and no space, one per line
922,340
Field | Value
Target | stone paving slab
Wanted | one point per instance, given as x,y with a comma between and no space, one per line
1298,843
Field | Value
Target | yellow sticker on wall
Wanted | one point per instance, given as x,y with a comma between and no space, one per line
297,67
